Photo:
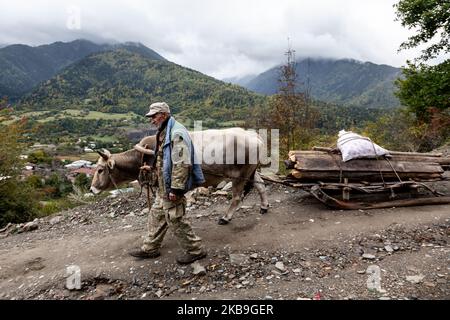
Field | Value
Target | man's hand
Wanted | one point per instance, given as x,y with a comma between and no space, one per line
172,196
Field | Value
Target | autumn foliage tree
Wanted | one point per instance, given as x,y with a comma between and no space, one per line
290,109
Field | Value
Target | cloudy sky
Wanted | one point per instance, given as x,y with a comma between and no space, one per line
223,38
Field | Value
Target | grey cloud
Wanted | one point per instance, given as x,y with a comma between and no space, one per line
219,38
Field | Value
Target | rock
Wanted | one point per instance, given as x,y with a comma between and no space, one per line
143,212
268,298
102,291
29,226
221,193
298,270
368,256
202,191
389,249
198,269
227,186
238,259
55,220
159,293
254,256
221,185
280,266
361,271
415,279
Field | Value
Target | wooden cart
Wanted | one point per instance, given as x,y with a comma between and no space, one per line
404,179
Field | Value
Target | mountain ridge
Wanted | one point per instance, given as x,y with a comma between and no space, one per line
342,81
23,67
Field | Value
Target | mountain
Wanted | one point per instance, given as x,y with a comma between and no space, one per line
240,81
121,81
344,81
23,67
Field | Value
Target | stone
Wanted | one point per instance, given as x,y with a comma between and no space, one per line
238,259
415,279
221,193
221,185
368,256
29,226
389,249
198,269
254,256
227,186
280,266
102,291
298,270
55,220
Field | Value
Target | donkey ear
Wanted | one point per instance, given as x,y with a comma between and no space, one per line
111,163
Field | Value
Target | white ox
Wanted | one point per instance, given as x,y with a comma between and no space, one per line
227,154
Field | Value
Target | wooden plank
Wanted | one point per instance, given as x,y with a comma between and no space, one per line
297,155
330,164
418,154
359,176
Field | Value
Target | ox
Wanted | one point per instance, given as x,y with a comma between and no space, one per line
230,156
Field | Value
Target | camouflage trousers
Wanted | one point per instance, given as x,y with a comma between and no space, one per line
164,215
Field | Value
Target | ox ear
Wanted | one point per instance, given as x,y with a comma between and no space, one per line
105,154
111,163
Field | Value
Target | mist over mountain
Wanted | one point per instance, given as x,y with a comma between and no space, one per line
344,81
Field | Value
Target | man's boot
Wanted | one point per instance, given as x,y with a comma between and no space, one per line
141,254
189,258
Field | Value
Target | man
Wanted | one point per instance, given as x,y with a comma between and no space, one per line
177,173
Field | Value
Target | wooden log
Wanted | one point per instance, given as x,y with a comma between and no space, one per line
359,165
418,154
297,155
356,176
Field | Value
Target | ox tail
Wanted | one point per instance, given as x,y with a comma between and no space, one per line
249,184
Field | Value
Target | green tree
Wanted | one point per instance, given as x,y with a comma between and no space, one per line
431,20
39,156
425,87
425,90
17,201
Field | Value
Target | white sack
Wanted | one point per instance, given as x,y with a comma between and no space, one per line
355,146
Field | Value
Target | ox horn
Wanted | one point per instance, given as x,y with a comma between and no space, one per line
143,150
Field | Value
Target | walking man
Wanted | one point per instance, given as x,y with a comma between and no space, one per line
177,173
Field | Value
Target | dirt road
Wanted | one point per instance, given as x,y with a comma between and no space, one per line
299,250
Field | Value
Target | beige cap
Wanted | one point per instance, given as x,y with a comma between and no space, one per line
158,107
